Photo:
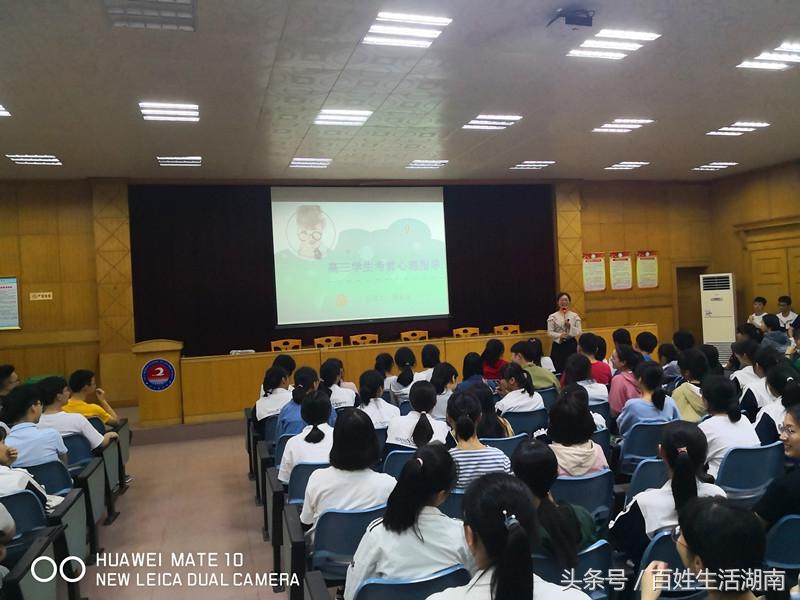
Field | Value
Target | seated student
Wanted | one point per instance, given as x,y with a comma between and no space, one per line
491,424
621,337
748,331
21,410
472,371
285,362
683,340
646,343
290,419
8,530
668,359
694,367
314,442
15,480
756,395
493,361
724,428
430,358
330,375
623,385
783,382
500,527
418,427
588,345
683,449
54,395
786,316
472,456
652,405
783,494
370,395
516,391
744,376
83,386
276,393
774,334
414,538
563,529
399,385
384,364
759,302
350,482
579,370
8,381
528,355
444,382
570,429
712,356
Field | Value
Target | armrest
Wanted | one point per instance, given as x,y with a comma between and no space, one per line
294,560
315,587
55,517
273,513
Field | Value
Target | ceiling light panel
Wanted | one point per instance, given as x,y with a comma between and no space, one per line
167,111
427,164
610,45
532,165
4,112
179,161
165,15
405,30
310,163
624,34
781,58
739,128
342,116
490,121
627,165
613,44
715,166
623,125
597,54
789,47
34,159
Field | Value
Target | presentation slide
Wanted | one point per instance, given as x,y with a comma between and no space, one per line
358,254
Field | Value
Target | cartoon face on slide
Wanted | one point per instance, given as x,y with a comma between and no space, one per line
310,229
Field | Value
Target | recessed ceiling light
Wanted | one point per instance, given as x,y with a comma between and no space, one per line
426,164
400,35
345,117
616,125
4,112
742,129
610,130
339,112
500,117
179,161
166,111
532,165
789,47
375,40
393,17
167,15
634,121
723,164
778,57
405,31
627,165
597,54
487,121
724,133
751,124
769,66
468,126
623,34
310,163
622,125
592,43
34,159
637,163
715,166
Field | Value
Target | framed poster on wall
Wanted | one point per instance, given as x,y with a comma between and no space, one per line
621,269
646,269
9,303
594,272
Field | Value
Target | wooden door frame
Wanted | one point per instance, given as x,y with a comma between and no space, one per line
683,264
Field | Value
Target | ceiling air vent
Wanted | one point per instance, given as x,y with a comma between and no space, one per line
167,15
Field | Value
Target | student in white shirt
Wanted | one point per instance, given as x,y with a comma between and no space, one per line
756,395
745,353
578,369
276,393
785,314
400,385
414,538
516,389
783,382
430,358
371,402
350,482
725,428
15,480
500,525
313,444
759,302
55,394
285,362
418,427
384,364
444,382
330,376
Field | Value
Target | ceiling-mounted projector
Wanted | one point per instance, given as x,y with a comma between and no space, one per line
574,17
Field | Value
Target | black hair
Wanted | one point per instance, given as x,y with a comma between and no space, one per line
720,395
405,360
430,356
646,341
767,358
17,403
536,465
602,350
473,365
650,374
571,422
464,411
750,331
588,343
80,379
5,372
493,352
368,385
329,373
499,510
286,362
771,321
273,378
785,300
714,530
558,296
443,374
577,368
784,380
622,336
531,350
694,362
50,387
712,356
422,398
519,375
793,411
685,449
384,363
355,443
304,380
432,470
315,410
490,425
628,356
668,352
748,348
683,340
760,299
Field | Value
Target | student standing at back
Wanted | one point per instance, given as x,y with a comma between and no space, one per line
759,303
371,401
786,316
516,390
430,358
418,427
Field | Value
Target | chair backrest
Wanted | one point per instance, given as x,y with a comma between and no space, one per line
507,329
79,451
414,335
20,583
594,492
507,444
602,437
642,442
338,534
405,407
650,473
745,473
463,332
267,427
395,461
26,510
381,433
53,476
783,544
597,556
363,339
453,505
285,344
280,446
601,408
549,395
413,589
527,422
298,480
98,424
329,341
662,548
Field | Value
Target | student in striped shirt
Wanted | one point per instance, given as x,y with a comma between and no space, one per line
472,457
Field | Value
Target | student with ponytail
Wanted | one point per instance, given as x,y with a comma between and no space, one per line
370,393
491,425
783,382
400,385
290,419
444,382
314,442
418,427
724,428
430,358
414,538
683,449
756,394
564,529
384,364
500,524
330,374
472,457
276,393
652,405
516,389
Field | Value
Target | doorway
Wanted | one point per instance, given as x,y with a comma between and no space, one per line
689,315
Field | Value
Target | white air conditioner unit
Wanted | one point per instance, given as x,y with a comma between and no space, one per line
718,305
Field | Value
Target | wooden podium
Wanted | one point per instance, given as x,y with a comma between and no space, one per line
159,388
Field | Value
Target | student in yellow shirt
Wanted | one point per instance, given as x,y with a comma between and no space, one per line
83,386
